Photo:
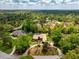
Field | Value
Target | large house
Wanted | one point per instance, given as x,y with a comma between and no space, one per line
40,36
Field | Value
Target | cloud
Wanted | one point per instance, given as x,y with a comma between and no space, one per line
59,6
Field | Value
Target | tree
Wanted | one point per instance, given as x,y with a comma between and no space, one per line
71,29
29,26
69,42
73,54
57,35
23,42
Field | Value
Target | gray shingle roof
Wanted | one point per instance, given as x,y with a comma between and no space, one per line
18,33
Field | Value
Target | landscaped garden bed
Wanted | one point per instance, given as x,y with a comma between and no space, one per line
39,50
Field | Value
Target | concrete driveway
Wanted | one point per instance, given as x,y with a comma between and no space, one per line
46,57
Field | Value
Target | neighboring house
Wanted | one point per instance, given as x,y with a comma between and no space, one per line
53,24
39,36
6,56
66,24
46,57
17,33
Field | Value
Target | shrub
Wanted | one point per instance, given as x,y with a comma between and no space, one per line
57,35
73,54
26,57
69,42
22,43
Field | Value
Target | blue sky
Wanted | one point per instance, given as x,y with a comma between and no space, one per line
58,6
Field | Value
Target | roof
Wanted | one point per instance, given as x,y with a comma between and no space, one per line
18,33
6,56
46,57
42,36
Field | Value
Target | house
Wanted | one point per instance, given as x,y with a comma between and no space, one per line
40,36
53,24
17,33
66,24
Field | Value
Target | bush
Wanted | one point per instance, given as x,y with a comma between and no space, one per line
29,26
69,42
23,42
73,54
57,35
26,57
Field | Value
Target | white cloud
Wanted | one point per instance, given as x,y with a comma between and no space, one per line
46,1
58,6
58,1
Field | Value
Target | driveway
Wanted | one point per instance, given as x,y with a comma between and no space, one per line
6,56
46,57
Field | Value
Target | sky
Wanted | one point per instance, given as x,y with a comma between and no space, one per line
41,0
44,6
